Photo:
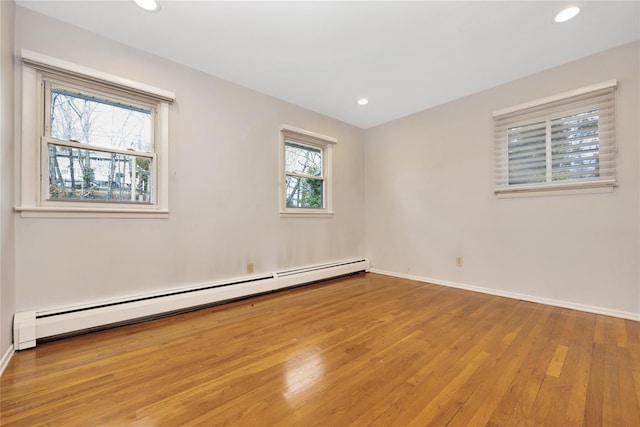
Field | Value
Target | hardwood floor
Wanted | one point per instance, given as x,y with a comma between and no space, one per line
368,350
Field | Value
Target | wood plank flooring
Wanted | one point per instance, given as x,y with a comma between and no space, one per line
367,350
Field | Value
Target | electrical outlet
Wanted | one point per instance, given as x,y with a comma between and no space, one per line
458,261
249,267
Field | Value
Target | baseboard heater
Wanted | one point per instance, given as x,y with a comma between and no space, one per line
30,326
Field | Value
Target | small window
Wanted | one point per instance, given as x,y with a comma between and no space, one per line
563,142
93,144
306,166
305,180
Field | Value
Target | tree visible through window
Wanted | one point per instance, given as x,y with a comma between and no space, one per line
304,176
99,149
306,172
557,149
564,141
93,144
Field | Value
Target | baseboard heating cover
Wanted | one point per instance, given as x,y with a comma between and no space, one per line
33,325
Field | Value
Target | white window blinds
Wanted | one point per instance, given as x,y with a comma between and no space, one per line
560,142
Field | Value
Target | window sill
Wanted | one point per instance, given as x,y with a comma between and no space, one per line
67,212
550,191
306,214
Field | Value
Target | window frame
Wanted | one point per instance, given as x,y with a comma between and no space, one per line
313,140
46,138
545,111
34,201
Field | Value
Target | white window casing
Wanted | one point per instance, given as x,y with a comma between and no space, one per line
295,137
563,142
38,71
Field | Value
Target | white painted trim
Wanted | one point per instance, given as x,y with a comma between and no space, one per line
557,97
291,213
63,212
45,62
601,186
555,192
301,131
514,295
162,151
6,358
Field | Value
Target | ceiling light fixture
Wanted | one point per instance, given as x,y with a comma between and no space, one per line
148,5
567,14
363,101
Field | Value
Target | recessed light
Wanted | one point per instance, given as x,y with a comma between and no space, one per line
148,5
363,101
567,14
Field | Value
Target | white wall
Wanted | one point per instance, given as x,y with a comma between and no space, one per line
7,285
429,198
429,195
223,189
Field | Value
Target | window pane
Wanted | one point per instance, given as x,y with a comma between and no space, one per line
303,159
77,174
575,146
304,192
527,154
91,120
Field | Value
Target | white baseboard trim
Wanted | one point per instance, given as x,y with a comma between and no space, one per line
513,295
6,358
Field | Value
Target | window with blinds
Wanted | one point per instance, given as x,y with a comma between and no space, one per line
561,142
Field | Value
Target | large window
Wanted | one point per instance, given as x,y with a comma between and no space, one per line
563,142
101,142
306,172
99,148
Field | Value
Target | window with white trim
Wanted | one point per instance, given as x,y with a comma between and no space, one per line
557,143
306,172
99,147
100,142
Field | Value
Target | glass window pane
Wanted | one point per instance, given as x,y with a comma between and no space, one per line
527,154
97,121
78,174
575,146
303,159
304,192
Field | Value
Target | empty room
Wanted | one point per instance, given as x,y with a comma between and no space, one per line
331,213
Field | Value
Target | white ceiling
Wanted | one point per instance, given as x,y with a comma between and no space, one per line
404,56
